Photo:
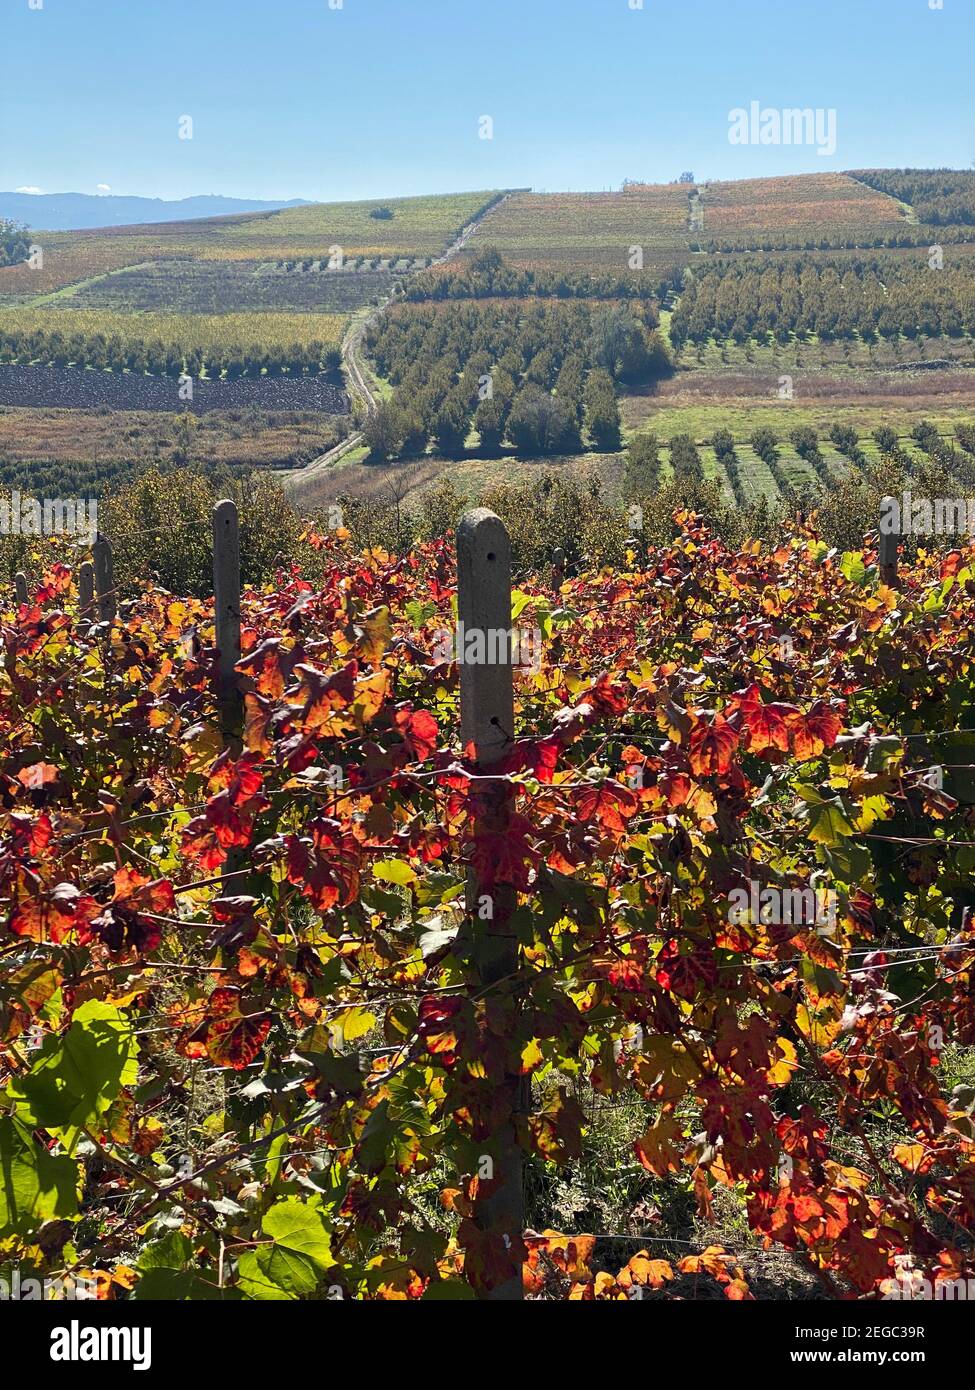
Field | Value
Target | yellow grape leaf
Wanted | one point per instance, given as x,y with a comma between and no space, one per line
370,696
657,1149
395,871
786,1063
643,1270
374,631
531,1056
354,1023
913,1157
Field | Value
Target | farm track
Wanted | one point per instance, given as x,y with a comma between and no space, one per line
358,376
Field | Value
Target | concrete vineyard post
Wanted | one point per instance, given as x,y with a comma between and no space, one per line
20,587
226,604
887,552
487,721
86,588
104,579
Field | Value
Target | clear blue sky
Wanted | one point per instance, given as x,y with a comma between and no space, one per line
291,98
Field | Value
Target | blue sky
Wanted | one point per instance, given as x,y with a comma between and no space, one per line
292,98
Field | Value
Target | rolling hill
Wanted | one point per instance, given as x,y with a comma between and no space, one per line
83,211
824,281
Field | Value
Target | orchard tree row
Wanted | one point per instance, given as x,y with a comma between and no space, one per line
943,466
908,234
117,354
753,301
487,276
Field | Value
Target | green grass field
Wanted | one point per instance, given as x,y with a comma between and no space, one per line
418,227
743,417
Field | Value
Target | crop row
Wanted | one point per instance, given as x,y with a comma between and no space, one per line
185,333
226,287
670,221
75,389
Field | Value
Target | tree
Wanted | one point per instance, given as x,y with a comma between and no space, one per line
184,435
14,243
451,424
765,443
620,345
723,443
659,360
641,472
602,411
489,421
383,432
685,459
540,423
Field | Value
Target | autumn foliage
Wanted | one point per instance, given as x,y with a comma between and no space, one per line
283,922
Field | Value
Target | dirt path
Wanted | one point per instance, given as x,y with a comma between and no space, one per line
358,374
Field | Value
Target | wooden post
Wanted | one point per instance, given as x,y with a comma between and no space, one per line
20,587
487,721
226,606
86,588
104,579
887,545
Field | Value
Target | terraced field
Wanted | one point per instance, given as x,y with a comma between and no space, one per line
418,227
185,332
590,231
57,452
670,222
70,258
831,206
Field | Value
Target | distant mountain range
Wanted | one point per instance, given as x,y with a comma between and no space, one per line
57,212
